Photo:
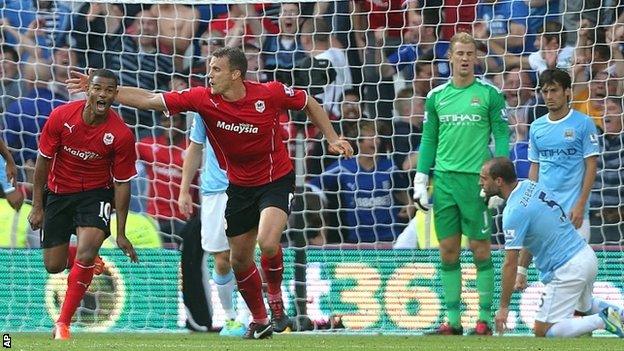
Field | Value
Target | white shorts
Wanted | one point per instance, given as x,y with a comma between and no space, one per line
213,237
584,229
570,289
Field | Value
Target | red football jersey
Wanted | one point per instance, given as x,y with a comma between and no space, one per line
86,157
388,14
164,170
246,135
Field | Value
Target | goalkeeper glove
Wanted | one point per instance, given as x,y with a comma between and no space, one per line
421,197
493,202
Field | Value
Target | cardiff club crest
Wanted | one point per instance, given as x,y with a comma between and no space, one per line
108,138
260,106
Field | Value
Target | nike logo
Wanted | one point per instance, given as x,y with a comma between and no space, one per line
69,127
258,335
485,230
444,102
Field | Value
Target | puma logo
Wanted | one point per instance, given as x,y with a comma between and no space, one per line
214,103
69,127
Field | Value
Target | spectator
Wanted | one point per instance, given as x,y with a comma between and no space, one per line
48,18
590,100
283,50
407,128
208,42
318,43
24,118
163,158
422,44
426,77
64,60
177,24
137,61
608,190
377,29
373,194
11,86
94,27
502,24
551,54
518,89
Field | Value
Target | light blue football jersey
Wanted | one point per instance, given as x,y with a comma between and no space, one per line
560,147
4,182
213,179
532,219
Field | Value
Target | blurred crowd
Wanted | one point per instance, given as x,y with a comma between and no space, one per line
370,62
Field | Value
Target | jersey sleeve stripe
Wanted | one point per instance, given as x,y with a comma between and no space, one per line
124,180
306,101
513,247
592,154
200,142
166,111
44,155
533,160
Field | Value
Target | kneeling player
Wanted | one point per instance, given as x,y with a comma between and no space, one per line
536,224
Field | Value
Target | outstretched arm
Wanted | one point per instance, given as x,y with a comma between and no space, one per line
129,96
318,116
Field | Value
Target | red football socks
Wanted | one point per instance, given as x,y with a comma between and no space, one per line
273,268
78,281
250,288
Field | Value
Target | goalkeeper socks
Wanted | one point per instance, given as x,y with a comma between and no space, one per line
273,268
250,288
71,255
80,277
573,327
485,288
450,273
225,289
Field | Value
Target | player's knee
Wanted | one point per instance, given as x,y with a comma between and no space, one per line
480,251
268,249
55,267
222,262
86,257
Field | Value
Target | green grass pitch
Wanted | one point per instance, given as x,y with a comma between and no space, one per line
289,342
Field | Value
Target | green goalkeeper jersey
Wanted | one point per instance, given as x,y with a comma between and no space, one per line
457,127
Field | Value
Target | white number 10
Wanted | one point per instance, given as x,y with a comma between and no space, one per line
105,210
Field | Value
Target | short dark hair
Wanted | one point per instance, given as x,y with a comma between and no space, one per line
555,75
104,73
352,91
553,30
8,49
502,167
236,58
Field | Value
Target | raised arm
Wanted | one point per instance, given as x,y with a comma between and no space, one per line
129,96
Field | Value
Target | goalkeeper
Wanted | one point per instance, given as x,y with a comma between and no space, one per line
459,118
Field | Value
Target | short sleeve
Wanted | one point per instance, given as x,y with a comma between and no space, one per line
286,97
50,139
533,153
183,100
198,130
590,139
515,228
124,160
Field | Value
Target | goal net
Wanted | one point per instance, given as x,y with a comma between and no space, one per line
358,256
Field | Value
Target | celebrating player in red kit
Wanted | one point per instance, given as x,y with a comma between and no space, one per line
242,120
87,157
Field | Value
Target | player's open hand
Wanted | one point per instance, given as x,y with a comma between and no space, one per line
501,320
341,147
35,218
126,246
185,204
77,82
